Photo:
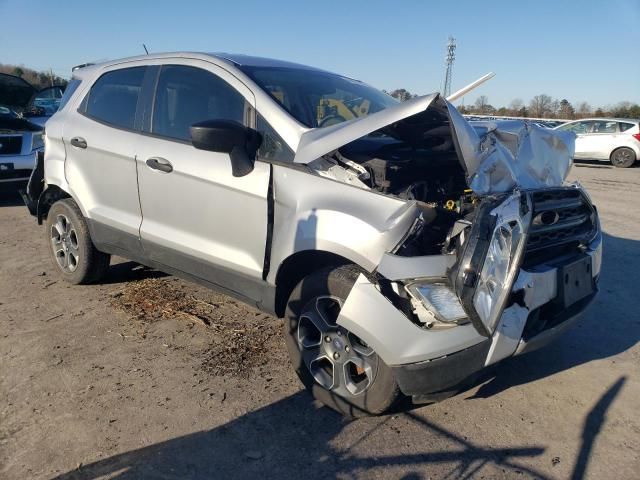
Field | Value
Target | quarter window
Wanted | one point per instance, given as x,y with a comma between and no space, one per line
272,147
187,95
624,126
114,96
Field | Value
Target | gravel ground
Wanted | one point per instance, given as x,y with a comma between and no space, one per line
147,376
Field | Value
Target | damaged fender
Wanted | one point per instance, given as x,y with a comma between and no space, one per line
371,316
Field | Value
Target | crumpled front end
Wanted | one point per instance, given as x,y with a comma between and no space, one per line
522,275
502,254
502,156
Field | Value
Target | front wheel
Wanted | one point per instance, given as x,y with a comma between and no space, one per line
623,157
70,245
338,368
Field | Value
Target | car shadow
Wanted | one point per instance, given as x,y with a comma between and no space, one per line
127,271
606,328
292,439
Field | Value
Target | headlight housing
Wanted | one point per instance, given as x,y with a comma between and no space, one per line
495,279
439,303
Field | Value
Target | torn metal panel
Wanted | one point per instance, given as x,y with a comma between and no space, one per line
510,154
319,141
395,267
505,155
372,317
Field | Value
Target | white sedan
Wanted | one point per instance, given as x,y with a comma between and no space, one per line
613,139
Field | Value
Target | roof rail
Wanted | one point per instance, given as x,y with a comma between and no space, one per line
82,65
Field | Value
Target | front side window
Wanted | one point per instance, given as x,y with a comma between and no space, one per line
577,127
114,97
316,98
187,95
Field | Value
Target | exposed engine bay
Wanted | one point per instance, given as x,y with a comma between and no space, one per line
415,160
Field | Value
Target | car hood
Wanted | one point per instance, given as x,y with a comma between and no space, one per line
15,92
505,155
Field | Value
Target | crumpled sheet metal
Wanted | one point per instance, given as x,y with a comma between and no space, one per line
512,154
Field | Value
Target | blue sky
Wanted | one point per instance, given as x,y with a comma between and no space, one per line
579,49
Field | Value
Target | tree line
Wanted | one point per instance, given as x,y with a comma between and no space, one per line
39,79
540,106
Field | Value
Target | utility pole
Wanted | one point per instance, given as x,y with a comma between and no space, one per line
449,58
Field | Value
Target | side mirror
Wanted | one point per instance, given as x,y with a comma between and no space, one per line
228,136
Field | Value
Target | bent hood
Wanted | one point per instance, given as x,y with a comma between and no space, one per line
496,156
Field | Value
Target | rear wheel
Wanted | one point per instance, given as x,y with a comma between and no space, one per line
623,157
70,245
337,367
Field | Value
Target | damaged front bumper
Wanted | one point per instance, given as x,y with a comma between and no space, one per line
543,298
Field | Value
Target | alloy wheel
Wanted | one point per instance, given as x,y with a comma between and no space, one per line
64,241
337,359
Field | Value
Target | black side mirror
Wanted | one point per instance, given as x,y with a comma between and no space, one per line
228,136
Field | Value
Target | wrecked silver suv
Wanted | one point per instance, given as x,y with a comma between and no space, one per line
405,248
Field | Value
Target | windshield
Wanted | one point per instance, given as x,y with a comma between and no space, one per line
316,98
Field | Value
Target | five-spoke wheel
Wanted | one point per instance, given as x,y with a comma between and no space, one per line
337,366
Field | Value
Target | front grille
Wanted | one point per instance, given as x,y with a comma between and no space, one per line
10,145
563,220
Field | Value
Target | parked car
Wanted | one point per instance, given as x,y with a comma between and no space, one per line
404,251
23,112
613,139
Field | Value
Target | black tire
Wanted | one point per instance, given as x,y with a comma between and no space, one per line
70,246
623,157
381,391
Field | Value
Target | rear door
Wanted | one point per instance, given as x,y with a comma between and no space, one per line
602,139
100,164
197,217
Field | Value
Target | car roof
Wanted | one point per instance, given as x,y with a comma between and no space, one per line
242,60
607,119
231,59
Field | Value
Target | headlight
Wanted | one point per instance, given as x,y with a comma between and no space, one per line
439,301
494,283
37,141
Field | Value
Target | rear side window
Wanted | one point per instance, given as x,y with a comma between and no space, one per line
624,126
602,126
187,95
114,96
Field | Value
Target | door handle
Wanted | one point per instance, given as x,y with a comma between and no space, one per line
157,163
79,142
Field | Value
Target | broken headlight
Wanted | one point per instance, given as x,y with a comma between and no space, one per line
439,303
495,279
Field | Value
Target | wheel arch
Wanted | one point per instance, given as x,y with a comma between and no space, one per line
297,266
48,197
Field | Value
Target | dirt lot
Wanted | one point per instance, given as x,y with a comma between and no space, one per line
147,376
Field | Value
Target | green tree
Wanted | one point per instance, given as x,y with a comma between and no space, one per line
566,110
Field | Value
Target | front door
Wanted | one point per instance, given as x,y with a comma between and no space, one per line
197,217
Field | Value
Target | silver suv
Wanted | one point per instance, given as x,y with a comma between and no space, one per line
404,248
